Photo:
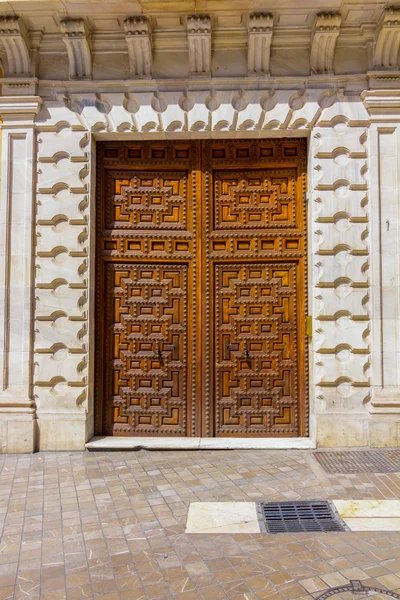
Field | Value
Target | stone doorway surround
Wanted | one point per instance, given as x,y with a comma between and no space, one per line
342,411
47,230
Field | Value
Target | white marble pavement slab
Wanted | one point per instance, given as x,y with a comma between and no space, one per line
370,515
222,517
367,508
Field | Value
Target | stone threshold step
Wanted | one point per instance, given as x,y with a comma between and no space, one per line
195,443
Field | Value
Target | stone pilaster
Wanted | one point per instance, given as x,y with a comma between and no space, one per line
17,407
384,408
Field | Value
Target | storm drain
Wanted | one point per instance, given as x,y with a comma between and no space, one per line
292,517
359,461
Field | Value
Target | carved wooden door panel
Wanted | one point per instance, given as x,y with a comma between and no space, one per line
201,288
147,315
255,370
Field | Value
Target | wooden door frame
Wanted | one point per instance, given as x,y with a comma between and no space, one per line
99,294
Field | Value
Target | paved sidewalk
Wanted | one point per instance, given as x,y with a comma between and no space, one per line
112,526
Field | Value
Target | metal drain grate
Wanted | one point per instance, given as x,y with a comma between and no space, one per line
292,517
360,461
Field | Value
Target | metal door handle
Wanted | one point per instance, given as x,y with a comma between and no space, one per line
245,354
228,348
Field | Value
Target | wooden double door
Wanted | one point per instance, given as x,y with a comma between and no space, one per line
201,288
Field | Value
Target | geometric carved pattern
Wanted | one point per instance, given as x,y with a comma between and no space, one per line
255,199
149,201
257,350
146,348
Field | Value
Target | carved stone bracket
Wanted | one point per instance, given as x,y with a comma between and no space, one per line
15,41
388,40
138,40
199,44
323,42
76,41
259,44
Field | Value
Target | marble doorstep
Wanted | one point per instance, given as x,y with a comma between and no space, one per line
196,443
222,517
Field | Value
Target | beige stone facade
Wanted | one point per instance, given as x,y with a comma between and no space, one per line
76,73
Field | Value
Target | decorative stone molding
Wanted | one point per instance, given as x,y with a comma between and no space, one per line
138,40
381,104
323,42
76,41
226,113
14,38
259,43
199,44
340,256
387,44
19,111
62,266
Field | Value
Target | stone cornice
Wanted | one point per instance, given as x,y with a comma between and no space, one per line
357,83
19,111
382,103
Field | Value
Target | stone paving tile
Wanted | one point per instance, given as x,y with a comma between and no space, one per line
112,526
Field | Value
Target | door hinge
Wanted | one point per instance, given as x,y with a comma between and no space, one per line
309,326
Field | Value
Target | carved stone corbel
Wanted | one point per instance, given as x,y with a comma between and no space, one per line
387,42
199,44
323,42
259,43
15,41
138,40
76,40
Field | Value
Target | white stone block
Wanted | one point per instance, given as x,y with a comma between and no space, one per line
72,269
60,330
63,203
64,142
